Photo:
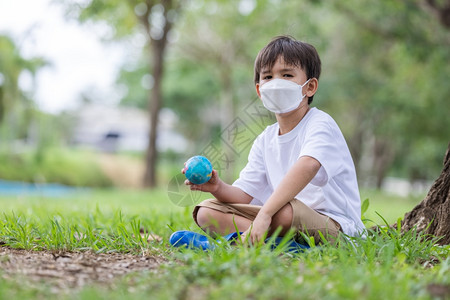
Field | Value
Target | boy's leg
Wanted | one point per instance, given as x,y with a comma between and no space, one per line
220,218
217,222
310,222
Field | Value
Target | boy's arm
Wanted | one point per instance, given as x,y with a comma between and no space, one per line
298,176
221,191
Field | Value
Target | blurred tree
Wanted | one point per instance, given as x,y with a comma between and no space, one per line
155,19
219,48
389,53
432,215
385,69
441,9
210,75
16,109
186,89
11,65
227,52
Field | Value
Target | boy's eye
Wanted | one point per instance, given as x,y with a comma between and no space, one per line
267,77
287,75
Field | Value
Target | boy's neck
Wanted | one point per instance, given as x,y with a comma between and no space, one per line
289,121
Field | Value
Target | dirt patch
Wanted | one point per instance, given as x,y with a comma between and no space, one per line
65,270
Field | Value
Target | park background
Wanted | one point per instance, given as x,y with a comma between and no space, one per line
384,79
102,101
186,68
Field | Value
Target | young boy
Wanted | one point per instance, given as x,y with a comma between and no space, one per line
300,173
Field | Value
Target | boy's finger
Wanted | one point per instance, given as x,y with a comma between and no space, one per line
195,187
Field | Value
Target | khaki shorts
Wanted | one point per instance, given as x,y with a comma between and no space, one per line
304,219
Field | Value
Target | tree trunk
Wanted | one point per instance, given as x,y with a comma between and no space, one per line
157,51
432,215
383,155
442,10
155,100
356,148
226,119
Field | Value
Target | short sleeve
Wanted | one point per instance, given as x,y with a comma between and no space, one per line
321,177
252,179
322,142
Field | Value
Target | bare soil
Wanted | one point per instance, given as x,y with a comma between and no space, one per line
68,270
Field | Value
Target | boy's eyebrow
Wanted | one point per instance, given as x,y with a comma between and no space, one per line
282,70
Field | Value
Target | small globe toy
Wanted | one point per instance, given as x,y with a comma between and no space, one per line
198,169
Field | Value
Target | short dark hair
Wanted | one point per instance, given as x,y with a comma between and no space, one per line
294,52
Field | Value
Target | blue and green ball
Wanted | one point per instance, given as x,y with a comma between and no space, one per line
198,169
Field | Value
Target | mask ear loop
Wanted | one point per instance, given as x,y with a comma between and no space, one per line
301,88
306,82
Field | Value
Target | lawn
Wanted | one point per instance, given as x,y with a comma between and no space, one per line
113,244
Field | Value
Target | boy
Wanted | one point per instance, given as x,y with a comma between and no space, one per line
300,173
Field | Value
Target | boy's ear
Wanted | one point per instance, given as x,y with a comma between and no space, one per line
312,87
257,90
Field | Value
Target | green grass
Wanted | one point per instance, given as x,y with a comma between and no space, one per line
390,207
385,265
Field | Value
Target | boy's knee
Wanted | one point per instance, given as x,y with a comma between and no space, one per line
204,216
283,218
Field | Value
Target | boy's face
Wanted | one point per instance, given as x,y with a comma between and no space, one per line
281,70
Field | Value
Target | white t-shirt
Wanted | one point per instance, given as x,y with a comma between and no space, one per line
333,191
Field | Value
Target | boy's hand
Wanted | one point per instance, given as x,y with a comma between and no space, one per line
220,190
211,186
258,230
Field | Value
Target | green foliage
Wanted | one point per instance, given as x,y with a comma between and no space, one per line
14,101
118,15
384,79
379,71
136,94
189,91
76,168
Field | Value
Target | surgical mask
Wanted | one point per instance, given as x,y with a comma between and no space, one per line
281,96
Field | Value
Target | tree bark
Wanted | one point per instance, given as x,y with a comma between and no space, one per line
226,118
157,53
383,155
356,148
158,47
432,215
442,10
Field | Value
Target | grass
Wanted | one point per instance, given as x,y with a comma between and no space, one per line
390,206
385,265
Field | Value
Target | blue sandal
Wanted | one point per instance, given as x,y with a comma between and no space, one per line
193,240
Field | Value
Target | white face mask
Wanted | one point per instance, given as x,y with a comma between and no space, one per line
281,96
